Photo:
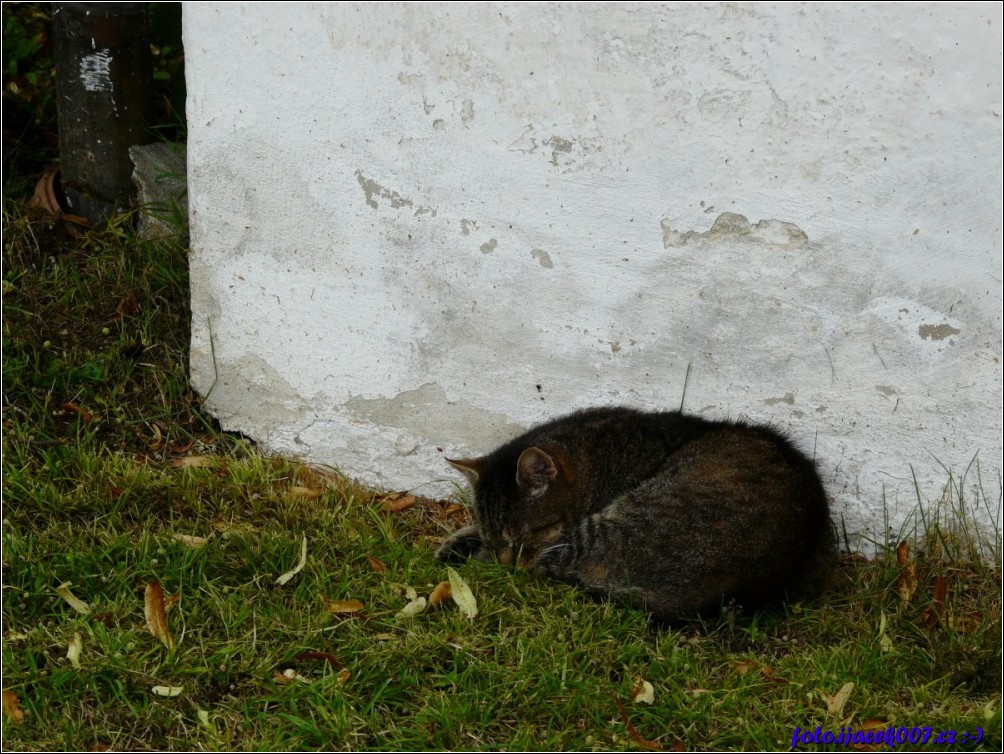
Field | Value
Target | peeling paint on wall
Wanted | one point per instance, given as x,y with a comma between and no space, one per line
373,190
788,398
543,257
735,226
426,412
936,332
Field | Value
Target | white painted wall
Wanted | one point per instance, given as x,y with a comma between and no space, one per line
417,229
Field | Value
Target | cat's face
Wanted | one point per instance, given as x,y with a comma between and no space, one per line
520,508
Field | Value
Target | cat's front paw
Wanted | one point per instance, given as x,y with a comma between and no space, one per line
461,545
553,560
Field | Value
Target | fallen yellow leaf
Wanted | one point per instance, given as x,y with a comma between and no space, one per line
306,492
835,704
342,606
462,594
63,590
884,641
193,462
73,650
643,693
190,539
167,690
288,576
413,608
289,675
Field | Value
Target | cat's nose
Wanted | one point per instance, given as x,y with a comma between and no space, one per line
506,556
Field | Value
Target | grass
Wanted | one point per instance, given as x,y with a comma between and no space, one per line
110,467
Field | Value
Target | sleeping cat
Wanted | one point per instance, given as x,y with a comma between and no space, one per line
668,512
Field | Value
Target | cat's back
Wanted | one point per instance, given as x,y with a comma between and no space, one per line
616,448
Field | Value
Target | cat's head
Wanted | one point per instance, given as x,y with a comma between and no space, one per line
522,502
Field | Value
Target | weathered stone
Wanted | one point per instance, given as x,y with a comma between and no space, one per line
162,189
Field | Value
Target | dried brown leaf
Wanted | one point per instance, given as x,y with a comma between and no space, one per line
80,411
870,724
193,462
767,673
397,501
935,613
305,492
940,594
742,668
156,618
903,553
967,624
343,677
180,447
835,704
907,583
129,305
12,707
376,565
633,732
441,593
190,539
289,675
319,656
342,606
158,438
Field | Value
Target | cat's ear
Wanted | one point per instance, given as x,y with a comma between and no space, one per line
535,470
469,467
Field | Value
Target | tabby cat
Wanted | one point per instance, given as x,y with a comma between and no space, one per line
669,512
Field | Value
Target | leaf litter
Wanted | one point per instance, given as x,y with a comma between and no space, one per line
288,576
156,617
63,590
462,595
73,649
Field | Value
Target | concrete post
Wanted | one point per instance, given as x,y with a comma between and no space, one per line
103,74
